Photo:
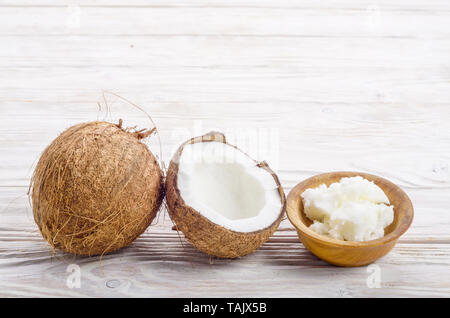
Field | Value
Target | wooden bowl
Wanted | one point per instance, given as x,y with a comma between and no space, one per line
345,253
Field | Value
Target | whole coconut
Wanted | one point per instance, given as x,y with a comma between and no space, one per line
96,188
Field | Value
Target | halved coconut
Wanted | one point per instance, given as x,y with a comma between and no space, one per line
223,201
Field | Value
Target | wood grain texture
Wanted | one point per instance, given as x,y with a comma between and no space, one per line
336,85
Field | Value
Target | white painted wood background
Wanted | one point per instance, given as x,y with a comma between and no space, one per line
345,85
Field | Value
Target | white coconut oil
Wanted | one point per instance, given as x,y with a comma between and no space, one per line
353,209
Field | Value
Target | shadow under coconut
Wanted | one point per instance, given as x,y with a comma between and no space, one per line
183,252
174,251
67,258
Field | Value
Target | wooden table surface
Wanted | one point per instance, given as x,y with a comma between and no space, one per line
332,85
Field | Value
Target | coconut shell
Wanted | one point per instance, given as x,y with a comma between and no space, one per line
207,236
96,188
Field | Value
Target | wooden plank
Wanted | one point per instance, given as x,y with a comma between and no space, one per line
287,55
242,21
159,265
229,69
416,5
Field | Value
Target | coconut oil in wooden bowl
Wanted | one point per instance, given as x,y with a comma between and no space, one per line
349,253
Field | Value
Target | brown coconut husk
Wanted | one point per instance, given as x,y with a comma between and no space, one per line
207,236
96,188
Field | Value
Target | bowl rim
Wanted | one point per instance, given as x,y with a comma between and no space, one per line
294,199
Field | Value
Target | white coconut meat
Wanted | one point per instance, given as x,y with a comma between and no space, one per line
227,187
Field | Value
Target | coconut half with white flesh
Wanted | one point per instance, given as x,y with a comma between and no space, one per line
223,201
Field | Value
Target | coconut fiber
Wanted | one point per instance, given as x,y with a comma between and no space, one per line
96,188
